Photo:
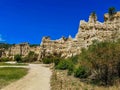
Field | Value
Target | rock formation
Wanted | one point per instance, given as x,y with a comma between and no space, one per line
67,47
87,33
22,49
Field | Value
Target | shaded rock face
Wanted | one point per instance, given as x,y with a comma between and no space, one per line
87,33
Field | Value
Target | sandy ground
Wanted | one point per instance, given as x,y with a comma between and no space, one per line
38,78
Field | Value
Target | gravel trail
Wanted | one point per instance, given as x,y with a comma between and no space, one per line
38,78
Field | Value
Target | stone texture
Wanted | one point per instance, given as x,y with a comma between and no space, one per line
68,47
87,32
22,49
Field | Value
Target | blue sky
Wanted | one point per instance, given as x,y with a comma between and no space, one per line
30,20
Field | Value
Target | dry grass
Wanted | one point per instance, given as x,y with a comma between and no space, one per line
61,81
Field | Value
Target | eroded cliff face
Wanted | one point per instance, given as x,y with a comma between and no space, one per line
68,47
22,49
87,33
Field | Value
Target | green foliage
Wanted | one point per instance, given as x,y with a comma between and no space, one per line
56,61
5,45
112,11
12,64
4,59
18,58
71,68
34,45
65,64
31,53
47,60
102,58
31,57
55,58
10,74
74,59
81,72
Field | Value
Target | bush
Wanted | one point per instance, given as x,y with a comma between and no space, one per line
74,59
4,59
103,59
31,57
18,58
70,68
81,72
63,65
56,61
47,60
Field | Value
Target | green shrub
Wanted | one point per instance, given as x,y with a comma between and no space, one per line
103,59
81,72
70,68
74,59
47,60
56,61
31,57
63,65
4,59
18,58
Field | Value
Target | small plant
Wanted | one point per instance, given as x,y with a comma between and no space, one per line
81,72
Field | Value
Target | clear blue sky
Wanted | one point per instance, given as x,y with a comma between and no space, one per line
30,20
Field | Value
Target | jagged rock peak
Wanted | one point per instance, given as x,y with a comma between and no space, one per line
92,18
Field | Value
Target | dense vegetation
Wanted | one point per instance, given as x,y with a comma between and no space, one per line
5,59
34,45
5,45
31,57
98,64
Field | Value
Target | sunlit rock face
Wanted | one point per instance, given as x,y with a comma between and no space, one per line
87,33
68,47
22,49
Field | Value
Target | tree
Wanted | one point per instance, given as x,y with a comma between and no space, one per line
18,58
111,12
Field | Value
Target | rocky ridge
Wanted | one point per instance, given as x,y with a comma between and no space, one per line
22,49
68,47
87,33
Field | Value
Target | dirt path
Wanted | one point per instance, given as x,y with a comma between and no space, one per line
38,78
